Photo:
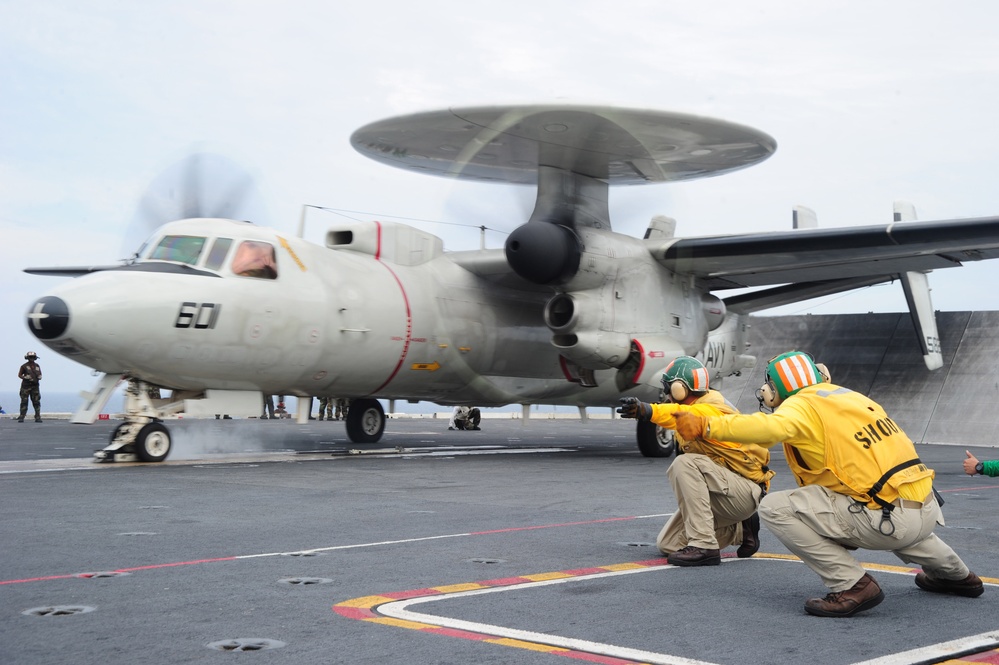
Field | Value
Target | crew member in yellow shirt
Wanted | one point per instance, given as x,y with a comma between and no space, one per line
717,484
861,485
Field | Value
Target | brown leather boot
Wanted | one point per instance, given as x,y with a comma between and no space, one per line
863,595
970,587
750,537
694,556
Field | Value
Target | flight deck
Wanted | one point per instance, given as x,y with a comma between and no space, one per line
520,543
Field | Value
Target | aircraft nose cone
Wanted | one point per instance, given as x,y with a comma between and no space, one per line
48,318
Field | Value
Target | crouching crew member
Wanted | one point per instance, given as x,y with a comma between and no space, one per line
465,417
718,483
861,485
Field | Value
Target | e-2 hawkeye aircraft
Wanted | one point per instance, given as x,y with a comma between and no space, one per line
221,312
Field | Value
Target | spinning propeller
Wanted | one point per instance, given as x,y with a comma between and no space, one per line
200,184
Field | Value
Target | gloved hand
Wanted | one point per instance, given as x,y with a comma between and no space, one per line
690,426
632,407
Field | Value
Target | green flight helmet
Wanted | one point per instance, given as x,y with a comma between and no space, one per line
790,372
683,377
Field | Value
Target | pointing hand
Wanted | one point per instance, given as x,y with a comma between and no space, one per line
632,407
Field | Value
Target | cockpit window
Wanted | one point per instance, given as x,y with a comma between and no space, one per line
184,249
255,259
218,252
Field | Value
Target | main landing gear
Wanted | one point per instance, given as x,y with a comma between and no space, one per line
653,440
365,421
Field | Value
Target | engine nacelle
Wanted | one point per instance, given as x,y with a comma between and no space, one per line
594,349
714,310
575,318
572,312
543,252
650,354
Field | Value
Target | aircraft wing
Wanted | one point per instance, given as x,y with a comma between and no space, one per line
840,258
492,265
77,271
69,271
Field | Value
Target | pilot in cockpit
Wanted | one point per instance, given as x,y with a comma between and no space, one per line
255,259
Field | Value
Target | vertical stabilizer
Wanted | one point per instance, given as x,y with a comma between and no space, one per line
917,294
804,218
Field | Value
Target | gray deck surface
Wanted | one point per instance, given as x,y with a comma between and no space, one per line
259,531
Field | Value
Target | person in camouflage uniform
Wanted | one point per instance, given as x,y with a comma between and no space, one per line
30,374
326,408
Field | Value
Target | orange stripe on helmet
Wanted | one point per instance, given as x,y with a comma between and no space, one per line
782,370
700,380
807,370
800,380
795,373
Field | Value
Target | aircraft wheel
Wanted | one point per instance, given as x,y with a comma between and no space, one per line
152,444
653,440
365,421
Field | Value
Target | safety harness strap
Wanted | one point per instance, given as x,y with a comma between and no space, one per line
886,507
878,486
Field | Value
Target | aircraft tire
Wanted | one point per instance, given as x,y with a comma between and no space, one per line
153,443
653,440
365,421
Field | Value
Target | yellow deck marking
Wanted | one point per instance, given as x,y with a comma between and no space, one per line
394,612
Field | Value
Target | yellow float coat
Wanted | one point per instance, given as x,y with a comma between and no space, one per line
836,438
746,459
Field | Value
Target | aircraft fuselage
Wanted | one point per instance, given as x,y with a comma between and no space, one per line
380,311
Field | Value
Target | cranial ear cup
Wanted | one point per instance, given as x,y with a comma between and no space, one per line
678,391
768,393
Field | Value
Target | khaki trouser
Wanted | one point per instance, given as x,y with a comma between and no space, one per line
815,524
711,503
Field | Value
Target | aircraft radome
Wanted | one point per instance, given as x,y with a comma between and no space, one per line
220,312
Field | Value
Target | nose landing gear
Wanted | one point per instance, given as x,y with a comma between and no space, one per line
142,437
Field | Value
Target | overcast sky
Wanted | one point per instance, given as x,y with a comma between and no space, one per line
868,101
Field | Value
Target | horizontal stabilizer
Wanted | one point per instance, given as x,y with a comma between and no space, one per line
748,303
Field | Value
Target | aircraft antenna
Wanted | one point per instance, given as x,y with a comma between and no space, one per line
301,220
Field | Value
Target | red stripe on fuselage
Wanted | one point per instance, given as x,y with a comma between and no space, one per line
409,314
641,362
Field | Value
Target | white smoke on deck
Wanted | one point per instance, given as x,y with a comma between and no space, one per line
195,439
